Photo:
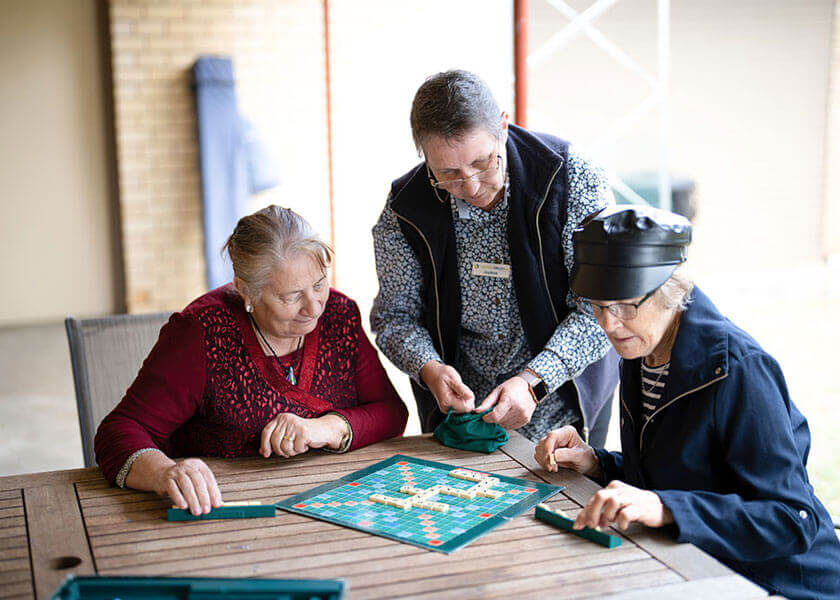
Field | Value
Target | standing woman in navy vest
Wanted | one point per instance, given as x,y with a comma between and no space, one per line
713,448
473,253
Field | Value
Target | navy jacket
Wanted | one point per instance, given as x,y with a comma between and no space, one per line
537,214
726,453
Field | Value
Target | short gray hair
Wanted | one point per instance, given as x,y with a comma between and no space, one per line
266,240
452,103
675,293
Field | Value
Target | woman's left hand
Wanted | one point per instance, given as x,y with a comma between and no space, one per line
288,435
623,504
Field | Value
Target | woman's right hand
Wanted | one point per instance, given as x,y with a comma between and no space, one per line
190,484
570,452
448,388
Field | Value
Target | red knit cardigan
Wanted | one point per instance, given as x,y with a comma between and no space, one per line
207,388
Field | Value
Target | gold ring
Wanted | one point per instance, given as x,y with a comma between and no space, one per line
290,438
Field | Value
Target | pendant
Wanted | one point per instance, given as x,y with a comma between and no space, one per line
290,376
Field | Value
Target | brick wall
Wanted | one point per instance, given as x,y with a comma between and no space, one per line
277,49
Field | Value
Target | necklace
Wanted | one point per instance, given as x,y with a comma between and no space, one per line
297,359
651,390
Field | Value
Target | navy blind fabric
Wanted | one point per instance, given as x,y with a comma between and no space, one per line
234,163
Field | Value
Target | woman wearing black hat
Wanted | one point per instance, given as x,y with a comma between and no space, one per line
713,448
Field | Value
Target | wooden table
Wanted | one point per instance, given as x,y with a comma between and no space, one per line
61,522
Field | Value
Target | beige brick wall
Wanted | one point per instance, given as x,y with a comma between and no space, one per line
831,222
277,52
56,225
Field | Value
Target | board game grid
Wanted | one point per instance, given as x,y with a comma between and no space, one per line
346,502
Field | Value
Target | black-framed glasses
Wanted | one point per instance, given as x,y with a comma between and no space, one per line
454,184
626,311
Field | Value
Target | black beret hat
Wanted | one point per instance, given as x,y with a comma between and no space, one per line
626,251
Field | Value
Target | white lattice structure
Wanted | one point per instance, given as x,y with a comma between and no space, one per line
583,23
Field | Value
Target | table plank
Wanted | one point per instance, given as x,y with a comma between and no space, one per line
20,589
56,536
492,554
15,566
324,541
525,580
13,532
535,555
725,587
66,477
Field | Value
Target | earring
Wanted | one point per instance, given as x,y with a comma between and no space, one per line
249,308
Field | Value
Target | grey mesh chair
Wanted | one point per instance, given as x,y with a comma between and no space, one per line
106,355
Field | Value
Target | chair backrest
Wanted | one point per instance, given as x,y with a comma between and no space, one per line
106,355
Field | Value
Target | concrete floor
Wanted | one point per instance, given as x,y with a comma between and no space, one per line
39,428
795,315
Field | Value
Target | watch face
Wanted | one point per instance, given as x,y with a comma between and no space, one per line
540,389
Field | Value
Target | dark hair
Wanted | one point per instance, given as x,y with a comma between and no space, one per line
452,103
265,240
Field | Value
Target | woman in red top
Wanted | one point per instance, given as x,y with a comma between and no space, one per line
275,363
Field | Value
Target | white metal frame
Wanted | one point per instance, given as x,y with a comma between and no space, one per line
658,97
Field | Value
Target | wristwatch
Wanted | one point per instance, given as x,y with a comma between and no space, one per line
539,389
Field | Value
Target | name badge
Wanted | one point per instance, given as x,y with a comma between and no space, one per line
482,269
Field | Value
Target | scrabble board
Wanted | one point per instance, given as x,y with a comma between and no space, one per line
429,504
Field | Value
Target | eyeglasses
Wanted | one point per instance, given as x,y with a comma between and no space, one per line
625,311
453,184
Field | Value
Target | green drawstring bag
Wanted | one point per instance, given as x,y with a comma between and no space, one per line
467,431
